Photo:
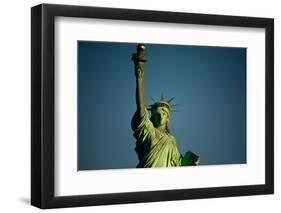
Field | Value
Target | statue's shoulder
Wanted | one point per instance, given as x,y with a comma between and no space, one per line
171,136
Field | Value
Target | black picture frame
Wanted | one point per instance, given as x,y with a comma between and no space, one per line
43,111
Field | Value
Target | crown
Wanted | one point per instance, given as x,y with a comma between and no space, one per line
163,103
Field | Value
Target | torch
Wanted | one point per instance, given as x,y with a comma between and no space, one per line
140,55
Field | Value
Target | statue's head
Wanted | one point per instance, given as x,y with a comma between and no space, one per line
160,116
160,112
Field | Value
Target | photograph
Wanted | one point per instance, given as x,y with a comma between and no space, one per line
159,105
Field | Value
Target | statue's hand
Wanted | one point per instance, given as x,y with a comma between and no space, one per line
139,72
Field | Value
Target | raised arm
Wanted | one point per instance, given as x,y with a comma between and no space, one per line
139,73
139,59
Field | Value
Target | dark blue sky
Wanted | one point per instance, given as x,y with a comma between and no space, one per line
209,84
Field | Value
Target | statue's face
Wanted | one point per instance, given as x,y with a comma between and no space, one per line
161,116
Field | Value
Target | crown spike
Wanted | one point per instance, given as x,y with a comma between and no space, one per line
162,97
173,105
171,99
153,100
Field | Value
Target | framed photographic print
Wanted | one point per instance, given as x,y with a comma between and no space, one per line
139,106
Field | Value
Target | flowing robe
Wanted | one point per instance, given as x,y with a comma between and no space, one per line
154,148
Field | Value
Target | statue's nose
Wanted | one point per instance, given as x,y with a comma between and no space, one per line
159,115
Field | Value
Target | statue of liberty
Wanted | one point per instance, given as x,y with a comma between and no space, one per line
155,145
